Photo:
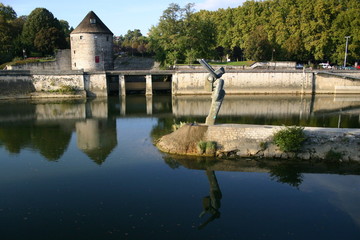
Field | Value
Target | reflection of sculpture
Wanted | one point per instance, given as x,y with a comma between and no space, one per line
211,204
218,92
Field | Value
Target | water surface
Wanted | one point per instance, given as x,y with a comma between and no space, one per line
89,170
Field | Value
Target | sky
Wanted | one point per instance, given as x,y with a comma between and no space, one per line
118,15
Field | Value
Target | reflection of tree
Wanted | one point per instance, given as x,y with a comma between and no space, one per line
14,138
171,162
163,127
51,141
286,173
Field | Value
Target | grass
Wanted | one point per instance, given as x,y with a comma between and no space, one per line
65,89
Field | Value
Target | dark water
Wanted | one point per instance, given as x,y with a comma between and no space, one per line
89,170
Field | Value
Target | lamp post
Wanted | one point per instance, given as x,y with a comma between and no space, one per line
272,54
346,49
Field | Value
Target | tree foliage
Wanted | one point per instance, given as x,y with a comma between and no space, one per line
36,29
39,32
182,36
302,30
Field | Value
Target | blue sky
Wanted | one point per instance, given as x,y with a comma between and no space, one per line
119,15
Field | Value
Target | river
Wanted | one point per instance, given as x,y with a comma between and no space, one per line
77,169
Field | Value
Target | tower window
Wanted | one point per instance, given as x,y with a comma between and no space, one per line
81,37
74,52
92,20
97,59
107,38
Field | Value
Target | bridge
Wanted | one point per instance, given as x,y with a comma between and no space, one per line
121,82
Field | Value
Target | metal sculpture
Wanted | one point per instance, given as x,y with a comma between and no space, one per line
216,86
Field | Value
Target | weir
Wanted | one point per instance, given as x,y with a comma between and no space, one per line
26,84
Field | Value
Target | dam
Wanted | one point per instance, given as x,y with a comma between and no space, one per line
37,83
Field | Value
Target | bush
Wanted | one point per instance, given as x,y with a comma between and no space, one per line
209,148
289,139
333,156
176,126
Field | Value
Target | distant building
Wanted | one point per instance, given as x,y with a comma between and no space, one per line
91,45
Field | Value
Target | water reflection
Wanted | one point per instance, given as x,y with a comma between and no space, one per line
96,138
47,126
284,171
134,195
211,203
291,173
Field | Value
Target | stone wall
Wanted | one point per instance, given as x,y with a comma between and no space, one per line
15,83
247,82
96,84
256,141
333,84
241,140
55,81
270,82
62,62
34,84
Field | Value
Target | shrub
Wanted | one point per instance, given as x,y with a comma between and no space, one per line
289,139
333,156
176,126
201,147
209,148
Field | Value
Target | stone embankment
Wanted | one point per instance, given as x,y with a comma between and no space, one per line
238,140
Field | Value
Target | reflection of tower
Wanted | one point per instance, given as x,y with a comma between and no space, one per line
211,204
96,138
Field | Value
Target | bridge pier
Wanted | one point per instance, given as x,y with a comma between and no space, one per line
149,90
149,104
122,90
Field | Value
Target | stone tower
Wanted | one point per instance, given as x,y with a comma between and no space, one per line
91,45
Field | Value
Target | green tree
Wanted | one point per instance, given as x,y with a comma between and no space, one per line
7,12
46,40
257,46
346,24
41,20
182,36
8,33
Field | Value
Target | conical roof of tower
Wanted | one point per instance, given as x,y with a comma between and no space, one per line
92,24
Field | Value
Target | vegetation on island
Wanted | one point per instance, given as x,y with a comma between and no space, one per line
290,139
303,31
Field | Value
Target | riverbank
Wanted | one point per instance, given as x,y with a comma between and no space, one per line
256,141
14,84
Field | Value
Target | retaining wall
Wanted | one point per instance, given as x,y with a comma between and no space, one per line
241,140
62,62
185,83
269,82
15,83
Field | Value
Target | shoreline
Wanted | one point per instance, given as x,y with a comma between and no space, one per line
256,141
